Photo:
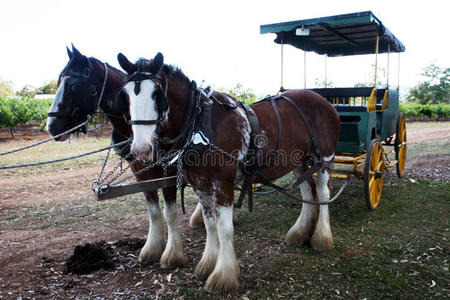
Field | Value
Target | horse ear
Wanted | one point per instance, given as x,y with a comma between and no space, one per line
156,63
77,54
127,65
69,52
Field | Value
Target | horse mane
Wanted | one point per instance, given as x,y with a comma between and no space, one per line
69,64
176,72
109,66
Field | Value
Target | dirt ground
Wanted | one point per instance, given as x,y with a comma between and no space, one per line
32,261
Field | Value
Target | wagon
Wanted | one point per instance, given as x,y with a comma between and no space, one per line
371,125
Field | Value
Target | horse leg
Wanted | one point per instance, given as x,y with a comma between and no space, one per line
196,220
209,258
322,239
155,243
302,230
173,256
225,276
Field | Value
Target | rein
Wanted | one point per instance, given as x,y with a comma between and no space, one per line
63,159
88,119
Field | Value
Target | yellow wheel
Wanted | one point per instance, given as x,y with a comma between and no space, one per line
373,174
400,145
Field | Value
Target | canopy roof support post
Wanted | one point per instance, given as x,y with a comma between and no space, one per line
326,71
282,67
372,105
376,61
398,81
387,75
304,69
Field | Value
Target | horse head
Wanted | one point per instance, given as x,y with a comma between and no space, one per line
79,87
145,89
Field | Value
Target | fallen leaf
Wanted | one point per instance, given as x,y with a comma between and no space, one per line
433,283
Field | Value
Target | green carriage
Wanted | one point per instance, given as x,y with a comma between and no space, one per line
370,118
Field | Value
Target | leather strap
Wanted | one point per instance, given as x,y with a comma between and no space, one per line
313,142
279,124
144,122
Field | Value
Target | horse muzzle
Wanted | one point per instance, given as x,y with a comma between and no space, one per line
144,154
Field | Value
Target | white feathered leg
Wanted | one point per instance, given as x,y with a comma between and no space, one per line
322,239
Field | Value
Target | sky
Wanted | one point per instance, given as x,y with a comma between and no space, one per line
213,41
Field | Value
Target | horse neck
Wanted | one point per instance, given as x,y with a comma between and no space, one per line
114,82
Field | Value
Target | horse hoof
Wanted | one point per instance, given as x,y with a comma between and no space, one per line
296,238
322,243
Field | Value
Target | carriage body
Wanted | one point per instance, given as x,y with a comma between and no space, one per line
370,118
361,122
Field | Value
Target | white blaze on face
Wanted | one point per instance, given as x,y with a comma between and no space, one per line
55,105
142,107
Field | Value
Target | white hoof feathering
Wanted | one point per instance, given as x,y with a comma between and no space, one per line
322,239
225,277
209,258
196,220
301,231
173,256
155,244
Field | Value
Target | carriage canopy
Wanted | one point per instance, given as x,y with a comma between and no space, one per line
340,35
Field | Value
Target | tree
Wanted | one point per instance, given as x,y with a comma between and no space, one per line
319,82
241,93
434,89
27,91
381,78
5,89
49,87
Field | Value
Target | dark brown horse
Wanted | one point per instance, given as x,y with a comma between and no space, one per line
158,98
79,89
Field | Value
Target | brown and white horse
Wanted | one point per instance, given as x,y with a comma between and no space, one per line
79,89
158,100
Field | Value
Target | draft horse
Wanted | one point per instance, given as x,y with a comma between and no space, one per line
80,84
159,102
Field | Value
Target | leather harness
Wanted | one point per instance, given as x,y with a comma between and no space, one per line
198,120
254,172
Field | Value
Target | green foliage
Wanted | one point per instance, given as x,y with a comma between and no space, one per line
321,83
49,87
19,111
434,89
5,89
241,93
27,91
428,111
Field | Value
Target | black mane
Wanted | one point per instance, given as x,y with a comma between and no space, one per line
69,65
176,72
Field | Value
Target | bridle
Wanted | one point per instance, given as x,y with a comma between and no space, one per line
162,105
75,112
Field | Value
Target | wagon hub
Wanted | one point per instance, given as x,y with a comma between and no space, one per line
378,174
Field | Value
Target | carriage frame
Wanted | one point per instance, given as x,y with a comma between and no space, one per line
371,125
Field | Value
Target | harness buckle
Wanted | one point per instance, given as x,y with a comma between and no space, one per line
86,73
92,90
